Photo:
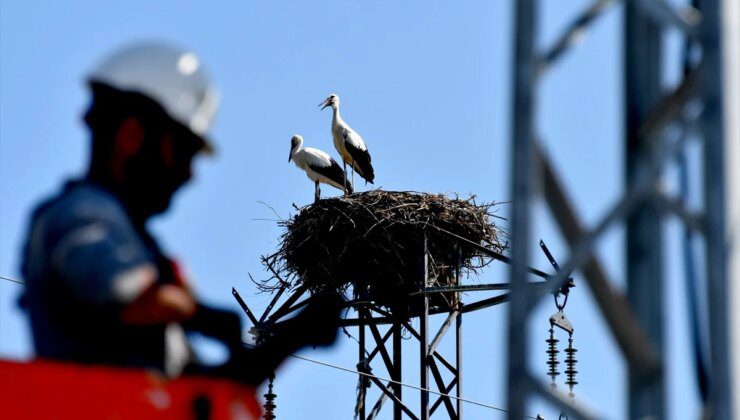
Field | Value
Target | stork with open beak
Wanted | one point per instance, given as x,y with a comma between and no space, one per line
318,165
348,143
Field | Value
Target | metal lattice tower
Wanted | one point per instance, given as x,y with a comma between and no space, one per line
380,337
697,110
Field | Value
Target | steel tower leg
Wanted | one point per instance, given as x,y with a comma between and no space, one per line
644,256
424,339
521,192
362,360
397,353
730,30
717,232
458,343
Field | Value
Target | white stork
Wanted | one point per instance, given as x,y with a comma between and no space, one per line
318,165
348,143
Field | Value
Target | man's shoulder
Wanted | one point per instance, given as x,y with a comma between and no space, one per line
80,211
78,202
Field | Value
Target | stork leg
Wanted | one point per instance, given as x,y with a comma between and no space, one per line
345,176
317,193
353,172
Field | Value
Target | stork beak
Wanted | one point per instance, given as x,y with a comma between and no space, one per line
325,103
290,156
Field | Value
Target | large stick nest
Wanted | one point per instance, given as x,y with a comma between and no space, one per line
374,242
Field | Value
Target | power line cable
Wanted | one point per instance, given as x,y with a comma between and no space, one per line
342,368
12,280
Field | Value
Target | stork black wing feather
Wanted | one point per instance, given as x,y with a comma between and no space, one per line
363,160
333,172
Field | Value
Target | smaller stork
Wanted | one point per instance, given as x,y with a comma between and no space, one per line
319,166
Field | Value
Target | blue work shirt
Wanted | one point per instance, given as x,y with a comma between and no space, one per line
79,246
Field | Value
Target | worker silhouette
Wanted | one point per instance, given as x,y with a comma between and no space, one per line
99,288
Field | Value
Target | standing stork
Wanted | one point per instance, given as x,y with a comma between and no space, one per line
318,165
349,144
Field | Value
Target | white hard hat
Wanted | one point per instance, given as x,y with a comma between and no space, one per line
171,76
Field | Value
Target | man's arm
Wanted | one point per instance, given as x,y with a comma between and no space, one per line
160,304
101,260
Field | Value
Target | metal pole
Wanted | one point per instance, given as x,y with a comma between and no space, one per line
362,361
642,73
396,374
423,339
730,27
521,191
714,201
458,341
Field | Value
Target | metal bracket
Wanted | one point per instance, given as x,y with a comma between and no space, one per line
560,320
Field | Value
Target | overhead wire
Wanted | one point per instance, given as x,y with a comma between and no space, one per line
12,280
349,370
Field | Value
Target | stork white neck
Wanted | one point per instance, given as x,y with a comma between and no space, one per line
336,118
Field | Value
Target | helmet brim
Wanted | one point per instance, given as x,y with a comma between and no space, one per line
101,88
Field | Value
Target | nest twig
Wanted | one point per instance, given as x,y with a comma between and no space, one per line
373,241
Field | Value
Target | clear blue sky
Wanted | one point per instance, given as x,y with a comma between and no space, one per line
426,83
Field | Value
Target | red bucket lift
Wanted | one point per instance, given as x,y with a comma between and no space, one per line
44,389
